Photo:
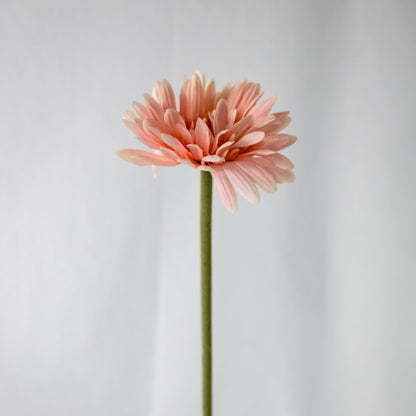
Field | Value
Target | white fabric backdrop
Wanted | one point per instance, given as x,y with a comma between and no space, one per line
314,289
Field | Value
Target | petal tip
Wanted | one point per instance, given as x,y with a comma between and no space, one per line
154,171
292,139
120,153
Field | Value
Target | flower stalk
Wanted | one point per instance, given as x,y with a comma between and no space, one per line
206,291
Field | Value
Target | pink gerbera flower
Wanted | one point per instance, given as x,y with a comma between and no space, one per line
228,133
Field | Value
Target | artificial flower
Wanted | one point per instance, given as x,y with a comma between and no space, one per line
229,133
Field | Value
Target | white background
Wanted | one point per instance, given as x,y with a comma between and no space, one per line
314,288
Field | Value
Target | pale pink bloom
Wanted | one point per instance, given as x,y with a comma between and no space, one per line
228,133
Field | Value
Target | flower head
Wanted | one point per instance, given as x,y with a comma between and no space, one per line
228,133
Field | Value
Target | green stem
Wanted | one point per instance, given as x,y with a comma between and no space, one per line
205,230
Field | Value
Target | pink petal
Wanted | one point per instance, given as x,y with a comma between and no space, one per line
280,175
132,126
219,140
209,97
286,175
232,153
136,126
155,125
257,152
236,93
269,166
251,95
224,93
241,127
213,159
128,115
154,170
149,142
183,99
277,123
221,116
132,122
196,151
195,97
151,128
281,116
165,95
147,139
169,153
225,189
262,110
282,124
172,118
242,182
184,135
222,149
281,161
261,177
189,163
142,158
274,143
191,98
141,111
202,135
292,139
232,115
281,141
250,139
206,168
174,143
201,76
154,107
